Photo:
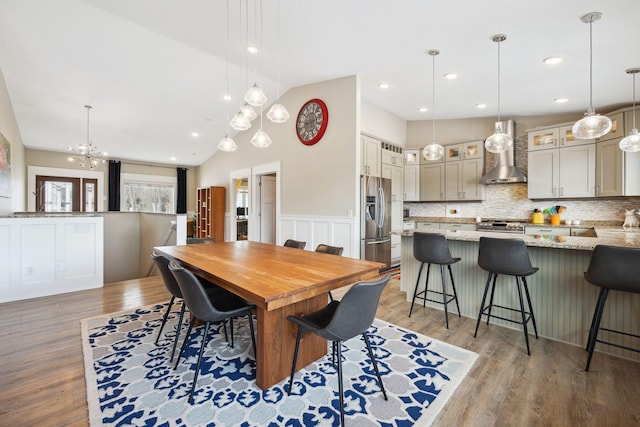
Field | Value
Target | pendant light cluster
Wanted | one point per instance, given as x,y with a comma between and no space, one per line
433,151
499,142
87,155
592,125
255,97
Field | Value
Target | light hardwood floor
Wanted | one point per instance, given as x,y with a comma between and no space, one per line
42,372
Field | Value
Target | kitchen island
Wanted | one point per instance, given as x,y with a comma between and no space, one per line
563,301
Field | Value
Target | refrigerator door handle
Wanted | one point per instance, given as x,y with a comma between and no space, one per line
378,242
381,203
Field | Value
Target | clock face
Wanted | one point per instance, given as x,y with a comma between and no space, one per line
312,121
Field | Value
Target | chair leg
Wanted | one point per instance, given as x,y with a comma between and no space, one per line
253,335
164,318
231,327
295,360
524,316
374,363
455,294
415,291
484,298
426,286
597,318
184,344
493,290
340,385
533,317
444,297
178,329
195,375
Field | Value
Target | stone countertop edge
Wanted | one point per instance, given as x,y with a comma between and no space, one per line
605,236
527,221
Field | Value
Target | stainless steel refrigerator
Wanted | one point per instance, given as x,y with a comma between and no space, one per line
375,219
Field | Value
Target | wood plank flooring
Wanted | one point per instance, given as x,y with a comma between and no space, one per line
42,372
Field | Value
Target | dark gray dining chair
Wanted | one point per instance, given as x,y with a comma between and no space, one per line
198,240
340,321
218,308
290,243
331,250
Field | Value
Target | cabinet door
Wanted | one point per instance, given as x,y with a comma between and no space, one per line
412,157
453,152
609,170
370,156
470,180
472,150
566,137
452,188
412,183
543,176
547,231
578,171
543,139
617,128
632,174
432,182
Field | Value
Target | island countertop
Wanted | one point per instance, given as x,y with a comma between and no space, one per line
613,236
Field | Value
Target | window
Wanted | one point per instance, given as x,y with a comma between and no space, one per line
147,193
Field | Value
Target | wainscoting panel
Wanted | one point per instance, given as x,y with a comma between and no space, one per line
563,302
334,231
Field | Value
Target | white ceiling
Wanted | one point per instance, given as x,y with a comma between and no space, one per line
155,70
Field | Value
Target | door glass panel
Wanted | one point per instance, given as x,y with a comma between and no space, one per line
58,196
90,196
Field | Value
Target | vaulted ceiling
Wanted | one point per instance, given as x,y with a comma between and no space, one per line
155,71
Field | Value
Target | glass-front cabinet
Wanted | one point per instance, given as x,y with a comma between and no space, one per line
463,151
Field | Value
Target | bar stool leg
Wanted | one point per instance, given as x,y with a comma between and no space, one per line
493,290
524,316
426,286
444,296
484,298
533,317
597,317
455,294
415,291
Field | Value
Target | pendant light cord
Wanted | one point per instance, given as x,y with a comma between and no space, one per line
433,99
278,49
591,64
499,80
88,107
634,101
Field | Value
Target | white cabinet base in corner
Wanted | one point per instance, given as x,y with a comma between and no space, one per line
47,255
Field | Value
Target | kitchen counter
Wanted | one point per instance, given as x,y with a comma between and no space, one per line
613,236
563,301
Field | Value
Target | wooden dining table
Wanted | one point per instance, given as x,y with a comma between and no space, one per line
280,281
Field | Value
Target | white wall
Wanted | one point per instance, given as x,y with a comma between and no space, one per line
9,128
380,123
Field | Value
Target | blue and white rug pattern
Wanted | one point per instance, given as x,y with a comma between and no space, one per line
130,381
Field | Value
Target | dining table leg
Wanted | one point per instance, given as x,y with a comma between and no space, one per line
276,341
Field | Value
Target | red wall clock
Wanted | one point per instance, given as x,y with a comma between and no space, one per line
312,121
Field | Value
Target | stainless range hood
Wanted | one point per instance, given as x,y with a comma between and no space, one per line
505,171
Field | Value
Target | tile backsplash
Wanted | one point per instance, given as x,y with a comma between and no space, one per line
509,201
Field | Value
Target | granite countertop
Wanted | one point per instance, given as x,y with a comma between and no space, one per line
613,236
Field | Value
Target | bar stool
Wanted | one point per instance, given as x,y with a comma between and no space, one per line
432,248
509,257
613,268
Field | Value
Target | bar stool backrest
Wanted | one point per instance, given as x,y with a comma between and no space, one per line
431,248
505,256
615,268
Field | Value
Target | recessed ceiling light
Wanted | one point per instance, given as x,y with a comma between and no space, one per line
552,60
252,49
450,76
173,159
194,134
481,105
383,86
227,97
561,100
422,109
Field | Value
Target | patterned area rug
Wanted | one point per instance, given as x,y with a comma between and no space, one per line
131,382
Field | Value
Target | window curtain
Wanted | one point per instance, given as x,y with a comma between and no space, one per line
114,185
181,205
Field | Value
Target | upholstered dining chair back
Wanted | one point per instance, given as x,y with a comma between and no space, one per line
168,279
356,311
326,249
198,240
290,243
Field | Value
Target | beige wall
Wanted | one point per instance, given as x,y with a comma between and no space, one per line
9,128
61,160
316,180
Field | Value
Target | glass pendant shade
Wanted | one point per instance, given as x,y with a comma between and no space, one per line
631,142
591,126
433,151
277,113
255,96
240,122
248,112
499,142
227,144
261,139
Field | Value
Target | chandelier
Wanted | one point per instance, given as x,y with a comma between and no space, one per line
87,155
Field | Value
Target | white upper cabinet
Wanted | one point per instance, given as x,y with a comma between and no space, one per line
371,153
